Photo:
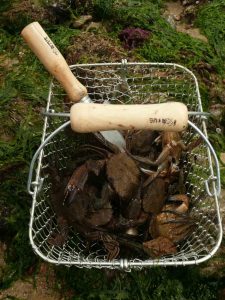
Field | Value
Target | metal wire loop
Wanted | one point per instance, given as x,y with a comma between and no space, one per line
30,175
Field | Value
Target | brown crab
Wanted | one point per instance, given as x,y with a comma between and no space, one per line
159,247
172,147
100,210
121,171
79,178
87,196
174,221
124,174
140,142
154,196
91,206
133,208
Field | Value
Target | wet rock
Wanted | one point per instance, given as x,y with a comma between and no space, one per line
177,17
217,110
193,32
96,26
189,13
170,20
188,2
218,93
81,21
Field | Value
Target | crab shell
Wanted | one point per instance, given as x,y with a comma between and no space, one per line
159,247
173,222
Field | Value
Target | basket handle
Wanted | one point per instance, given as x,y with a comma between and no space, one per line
40,43
37,183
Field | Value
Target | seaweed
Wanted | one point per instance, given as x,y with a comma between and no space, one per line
210,19
133,37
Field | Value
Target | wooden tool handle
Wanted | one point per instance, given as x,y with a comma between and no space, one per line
171,116
39,42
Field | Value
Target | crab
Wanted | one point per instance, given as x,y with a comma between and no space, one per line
110,200
159,247
121,171
87,212
174,221
154,196
168,159
139,142
88,196
79,178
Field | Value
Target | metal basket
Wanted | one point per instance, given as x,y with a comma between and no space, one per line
126,83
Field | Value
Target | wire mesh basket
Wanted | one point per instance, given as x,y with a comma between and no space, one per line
135,83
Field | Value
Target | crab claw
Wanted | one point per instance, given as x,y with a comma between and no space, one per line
75,184
79,178
70,195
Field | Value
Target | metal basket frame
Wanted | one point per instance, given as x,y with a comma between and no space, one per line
212,185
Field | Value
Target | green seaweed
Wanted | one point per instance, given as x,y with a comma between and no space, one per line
210,20
155,284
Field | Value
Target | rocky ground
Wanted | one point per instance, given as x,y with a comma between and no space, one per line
181,16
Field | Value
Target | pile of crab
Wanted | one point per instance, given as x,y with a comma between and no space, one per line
132,203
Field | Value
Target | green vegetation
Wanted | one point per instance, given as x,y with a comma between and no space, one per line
211,21
165,44
24,87
156,284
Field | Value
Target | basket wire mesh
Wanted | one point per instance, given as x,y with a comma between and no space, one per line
134,83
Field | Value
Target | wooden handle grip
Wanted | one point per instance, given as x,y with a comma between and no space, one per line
39,42
171,116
